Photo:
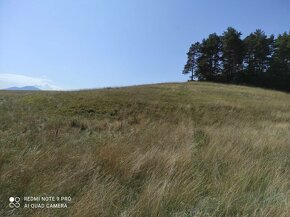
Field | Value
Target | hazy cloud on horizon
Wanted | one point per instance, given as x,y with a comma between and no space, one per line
9,80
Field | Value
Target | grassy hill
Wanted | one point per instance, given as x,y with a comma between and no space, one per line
186,149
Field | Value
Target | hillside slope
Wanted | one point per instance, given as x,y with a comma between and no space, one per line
191,149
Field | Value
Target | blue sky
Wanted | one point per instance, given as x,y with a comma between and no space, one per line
69,44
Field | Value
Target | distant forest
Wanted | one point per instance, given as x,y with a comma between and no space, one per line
256,60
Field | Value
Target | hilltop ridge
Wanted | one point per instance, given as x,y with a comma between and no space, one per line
178,149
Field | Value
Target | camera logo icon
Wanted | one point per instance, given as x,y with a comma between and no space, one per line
14,202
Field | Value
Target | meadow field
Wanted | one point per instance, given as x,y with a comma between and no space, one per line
177,149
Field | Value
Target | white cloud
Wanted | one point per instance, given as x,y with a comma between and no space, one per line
9,80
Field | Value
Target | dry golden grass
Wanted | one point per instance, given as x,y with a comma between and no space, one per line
192,149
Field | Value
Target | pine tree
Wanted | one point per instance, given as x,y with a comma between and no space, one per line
258,51
209,62
280,62
233,53
192,58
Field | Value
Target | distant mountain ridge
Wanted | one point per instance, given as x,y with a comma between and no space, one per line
23,88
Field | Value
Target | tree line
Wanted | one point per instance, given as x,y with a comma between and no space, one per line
256,60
